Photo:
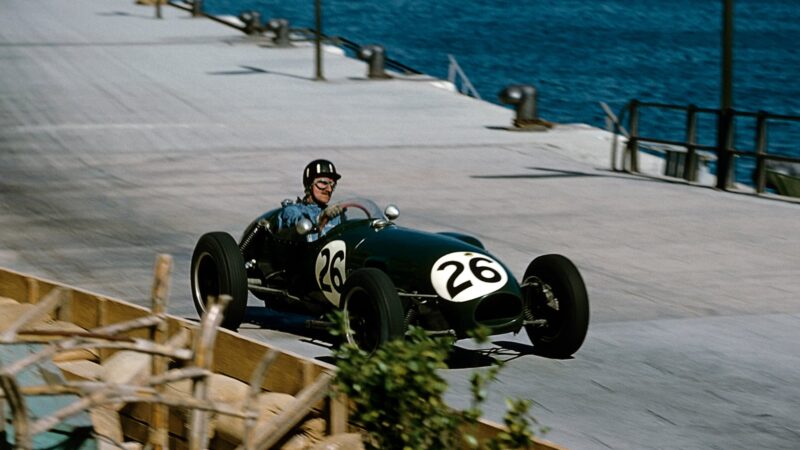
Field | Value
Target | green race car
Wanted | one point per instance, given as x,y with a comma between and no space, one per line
385,277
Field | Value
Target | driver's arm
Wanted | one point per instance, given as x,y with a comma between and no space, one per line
289,216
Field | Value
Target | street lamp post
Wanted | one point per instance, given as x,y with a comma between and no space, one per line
318,60
725,127
727,55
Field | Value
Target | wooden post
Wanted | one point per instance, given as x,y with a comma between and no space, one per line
338,409
204,359
159,425
33,290
102,321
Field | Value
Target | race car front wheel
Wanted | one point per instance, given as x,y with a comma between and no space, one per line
372,309
556,306
218,269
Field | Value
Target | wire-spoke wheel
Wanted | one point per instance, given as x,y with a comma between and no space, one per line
218,269
372,309
556,306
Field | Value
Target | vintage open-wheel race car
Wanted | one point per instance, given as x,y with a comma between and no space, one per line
385,277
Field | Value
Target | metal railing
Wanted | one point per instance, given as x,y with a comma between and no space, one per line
390,63
455,74
195,7
724,148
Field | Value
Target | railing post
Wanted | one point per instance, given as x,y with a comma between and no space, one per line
725,163
761,150
632,149
690,165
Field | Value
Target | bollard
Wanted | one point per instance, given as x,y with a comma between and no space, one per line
523,97
197,8
281,29
375,56
252,22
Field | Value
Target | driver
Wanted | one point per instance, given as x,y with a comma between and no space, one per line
319,181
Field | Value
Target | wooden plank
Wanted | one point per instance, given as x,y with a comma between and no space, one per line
38,313
277,427
13,285
85,309
234,357
486,429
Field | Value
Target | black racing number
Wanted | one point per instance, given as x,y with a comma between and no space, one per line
484,273
326,253
452,288
335,274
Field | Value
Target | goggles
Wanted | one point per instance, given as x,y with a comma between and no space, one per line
321,184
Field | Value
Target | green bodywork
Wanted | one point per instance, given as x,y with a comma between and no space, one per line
406,255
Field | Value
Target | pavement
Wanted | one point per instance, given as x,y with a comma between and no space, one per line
123,136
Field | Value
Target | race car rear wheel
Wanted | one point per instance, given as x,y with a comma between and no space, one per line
372,309
218,269
555,300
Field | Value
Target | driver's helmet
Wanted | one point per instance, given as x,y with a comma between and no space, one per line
319,168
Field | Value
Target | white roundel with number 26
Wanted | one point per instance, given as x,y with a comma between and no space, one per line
330,270
464,276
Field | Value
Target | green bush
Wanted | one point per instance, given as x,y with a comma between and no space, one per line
397,394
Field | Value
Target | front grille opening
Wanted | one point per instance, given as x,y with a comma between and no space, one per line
498,308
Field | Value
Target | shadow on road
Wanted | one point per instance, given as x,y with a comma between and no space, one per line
251,70
459,357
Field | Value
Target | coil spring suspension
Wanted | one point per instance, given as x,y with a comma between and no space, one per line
249,239
411,316
526,303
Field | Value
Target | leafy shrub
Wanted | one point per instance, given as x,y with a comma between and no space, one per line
397,394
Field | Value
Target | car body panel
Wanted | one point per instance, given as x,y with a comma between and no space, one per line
455,283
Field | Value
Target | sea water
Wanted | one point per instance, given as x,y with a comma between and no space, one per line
578,53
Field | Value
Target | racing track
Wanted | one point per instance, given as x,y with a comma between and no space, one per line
122,137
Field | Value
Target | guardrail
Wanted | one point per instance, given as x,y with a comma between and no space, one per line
196,8
724,148
456,73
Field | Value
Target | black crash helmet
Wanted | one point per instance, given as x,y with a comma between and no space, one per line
319,168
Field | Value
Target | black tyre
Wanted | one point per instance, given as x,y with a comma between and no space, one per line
555,297
372,309
218,269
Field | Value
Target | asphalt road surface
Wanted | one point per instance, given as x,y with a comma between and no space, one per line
122,137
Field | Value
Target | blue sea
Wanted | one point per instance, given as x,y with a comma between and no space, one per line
580,52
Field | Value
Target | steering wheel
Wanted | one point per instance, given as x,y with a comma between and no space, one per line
322,219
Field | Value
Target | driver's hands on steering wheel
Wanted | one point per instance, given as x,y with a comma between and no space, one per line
332,211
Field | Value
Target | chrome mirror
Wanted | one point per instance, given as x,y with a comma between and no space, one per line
391,212
304,226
